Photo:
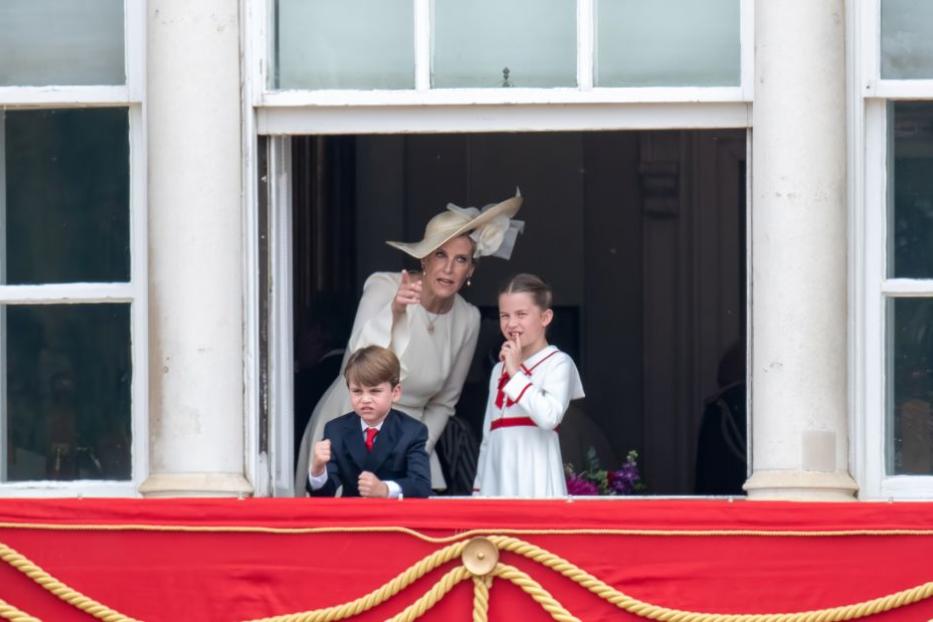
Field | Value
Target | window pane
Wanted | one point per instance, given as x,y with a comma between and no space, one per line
61,42
906,44
67,196
910,422
68,373
345,44
481,43
911,221
667,43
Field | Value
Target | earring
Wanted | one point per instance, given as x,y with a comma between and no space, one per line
469,282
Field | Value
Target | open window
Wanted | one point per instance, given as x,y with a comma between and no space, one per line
641,234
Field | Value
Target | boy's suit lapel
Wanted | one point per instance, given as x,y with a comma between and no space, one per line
355,444
385,441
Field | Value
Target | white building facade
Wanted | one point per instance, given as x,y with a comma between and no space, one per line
146,191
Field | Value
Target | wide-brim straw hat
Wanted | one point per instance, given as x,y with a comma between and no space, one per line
456,221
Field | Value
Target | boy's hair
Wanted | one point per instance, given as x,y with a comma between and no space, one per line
371,366
532,285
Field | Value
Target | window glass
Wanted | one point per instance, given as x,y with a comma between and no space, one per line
667,43
910,421
68,375
345,44
494,43
67,196
69,42
911,218
906,44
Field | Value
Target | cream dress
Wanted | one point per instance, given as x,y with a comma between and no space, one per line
525,460
435,352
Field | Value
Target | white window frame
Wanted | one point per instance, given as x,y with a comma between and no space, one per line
423,109
870,288
130,96
284,113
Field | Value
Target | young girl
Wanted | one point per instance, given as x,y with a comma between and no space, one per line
529,391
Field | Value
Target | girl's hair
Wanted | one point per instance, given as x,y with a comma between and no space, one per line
532,285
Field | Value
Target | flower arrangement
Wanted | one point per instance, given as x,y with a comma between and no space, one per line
595,480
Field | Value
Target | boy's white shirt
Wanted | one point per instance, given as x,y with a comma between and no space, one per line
317,481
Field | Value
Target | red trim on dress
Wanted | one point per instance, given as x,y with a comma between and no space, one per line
505,402
514,422
528,371
519,398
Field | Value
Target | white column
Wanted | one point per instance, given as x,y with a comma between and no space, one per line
195,250
798,367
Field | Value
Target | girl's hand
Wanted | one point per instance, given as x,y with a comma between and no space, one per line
409,293
511,355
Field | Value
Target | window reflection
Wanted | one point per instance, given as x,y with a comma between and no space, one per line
67,196
68,378
496,43
911,423
906,46
911,236
669,43
45,42
344,44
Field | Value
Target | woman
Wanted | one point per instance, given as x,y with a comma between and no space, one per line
422,318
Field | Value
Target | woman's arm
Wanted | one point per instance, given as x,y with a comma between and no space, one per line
543,396
375,323
441,406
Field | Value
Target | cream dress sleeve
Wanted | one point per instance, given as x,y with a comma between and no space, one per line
435,353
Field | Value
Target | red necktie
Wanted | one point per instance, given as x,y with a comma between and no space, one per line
371,437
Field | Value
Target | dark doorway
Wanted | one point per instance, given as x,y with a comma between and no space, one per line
641,234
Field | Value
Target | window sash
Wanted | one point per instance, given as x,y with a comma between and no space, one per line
868,33
871,396
260,28
135,291
134,46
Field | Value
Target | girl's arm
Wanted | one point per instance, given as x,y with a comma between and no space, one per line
441,405
545,395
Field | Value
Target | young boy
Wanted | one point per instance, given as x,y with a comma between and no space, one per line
374,451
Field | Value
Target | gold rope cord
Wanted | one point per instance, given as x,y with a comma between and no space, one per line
9,612
481,594
655,612
460,535
481,587
69,595
379,596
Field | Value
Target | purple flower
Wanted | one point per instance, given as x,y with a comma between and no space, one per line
596,481
625,480
576,485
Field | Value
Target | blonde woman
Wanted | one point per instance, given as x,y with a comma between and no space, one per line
424,321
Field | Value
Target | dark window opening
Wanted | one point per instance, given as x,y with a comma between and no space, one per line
642,236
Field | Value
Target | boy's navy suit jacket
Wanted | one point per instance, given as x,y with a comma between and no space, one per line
398,455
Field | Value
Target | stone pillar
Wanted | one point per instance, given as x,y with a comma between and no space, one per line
799,357
195,250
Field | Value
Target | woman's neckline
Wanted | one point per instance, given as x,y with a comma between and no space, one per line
429,311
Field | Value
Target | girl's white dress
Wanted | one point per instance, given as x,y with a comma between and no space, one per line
520,453
435,352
